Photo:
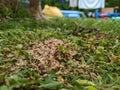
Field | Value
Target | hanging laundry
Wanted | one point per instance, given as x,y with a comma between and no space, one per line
91,4
73,3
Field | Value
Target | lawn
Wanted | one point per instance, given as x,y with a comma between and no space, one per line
60,54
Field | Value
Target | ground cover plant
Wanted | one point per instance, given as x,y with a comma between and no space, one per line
62,54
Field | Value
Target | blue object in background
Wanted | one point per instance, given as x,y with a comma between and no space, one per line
63,1
25,3
116,18
99,15
96,13
71,13
116,13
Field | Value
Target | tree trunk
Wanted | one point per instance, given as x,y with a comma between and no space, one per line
35,10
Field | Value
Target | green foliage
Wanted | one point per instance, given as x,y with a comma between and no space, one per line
4,11
98,54
112,3
4,88
7,12
21,12
51,85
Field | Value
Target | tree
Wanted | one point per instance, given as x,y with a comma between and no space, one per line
35,9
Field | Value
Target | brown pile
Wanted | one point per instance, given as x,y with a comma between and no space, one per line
51,55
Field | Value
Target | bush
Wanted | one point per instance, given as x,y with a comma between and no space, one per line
4,11
7,11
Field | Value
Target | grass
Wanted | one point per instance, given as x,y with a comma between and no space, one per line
98,43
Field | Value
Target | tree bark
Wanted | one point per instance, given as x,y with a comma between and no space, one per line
35,10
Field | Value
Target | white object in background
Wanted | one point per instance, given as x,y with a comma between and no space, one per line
91,4
73,3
